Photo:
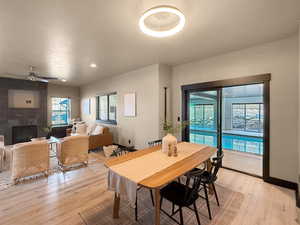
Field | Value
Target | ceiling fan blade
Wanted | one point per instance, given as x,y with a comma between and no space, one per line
32,76
42,80
46,78
14,76
36,78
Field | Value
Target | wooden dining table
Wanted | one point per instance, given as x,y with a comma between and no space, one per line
161,178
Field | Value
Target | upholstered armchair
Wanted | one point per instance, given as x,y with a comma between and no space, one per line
72,150
30,158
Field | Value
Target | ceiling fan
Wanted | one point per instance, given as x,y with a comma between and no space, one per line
33,76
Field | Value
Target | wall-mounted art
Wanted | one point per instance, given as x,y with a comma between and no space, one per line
86,106
129,105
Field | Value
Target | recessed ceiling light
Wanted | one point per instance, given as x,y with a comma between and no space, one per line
162,21
63,80
93,65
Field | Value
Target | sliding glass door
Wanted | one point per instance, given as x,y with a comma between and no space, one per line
234,119
243,128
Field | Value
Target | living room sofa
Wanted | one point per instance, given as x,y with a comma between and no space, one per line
100,140
99,135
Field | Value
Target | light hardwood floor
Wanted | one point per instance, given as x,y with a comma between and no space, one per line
59,199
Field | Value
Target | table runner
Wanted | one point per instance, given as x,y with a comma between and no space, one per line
123,178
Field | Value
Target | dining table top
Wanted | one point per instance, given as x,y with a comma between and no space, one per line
173,171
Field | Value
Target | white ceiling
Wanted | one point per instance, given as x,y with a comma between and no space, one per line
62,37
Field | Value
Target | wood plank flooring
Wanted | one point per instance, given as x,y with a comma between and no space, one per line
59,199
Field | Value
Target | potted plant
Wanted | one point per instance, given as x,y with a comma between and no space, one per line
47,130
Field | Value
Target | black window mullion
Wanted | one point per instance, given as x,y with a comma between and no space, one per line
108,108
194,113
260,125
97,108
258,118
203,115
245,117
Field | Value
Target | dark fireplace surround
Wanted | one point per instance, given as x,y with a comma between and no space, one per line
13,120
22,134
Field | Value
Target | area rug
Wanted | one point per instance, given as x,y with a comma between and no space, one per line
5,176
230,203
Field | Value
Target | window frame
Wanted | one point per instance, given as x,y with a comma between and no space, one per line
202,107
108,121
260,125
68,111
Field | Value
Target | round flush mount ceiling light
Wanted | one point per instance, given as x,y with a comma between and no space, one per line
162,21
93,65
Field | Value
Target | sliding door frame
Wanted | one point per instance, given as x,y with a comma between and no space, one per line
218,85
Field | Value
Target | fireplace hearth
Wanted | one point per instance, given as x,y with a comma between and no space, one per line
23,133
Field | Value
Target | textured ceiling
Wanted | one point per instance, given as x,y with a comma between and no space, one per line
62,37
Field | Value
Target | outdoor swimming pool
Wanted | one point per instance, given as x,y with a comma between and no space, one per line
229,141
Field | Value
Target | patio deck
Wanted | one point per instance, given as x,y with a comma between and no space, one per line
245,162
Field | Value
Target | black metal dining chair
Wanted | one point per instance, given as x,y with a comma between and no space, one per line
154,143
119,152
208,178
182,195
151,144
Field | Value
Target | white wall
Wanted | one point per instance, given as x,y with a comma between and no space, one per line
145,83
279,58
299,121
63,91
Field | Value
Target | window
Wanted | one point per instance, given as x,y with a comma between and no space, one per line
107,108
61,111
202,115
248,117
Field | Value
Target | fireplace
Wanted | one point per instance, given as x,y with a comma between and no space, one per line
23,133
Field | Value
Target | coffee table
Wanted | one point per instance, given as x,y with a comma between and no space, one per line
53,142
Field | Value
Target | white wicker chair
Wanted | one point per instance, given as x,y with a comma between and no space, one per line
30,159
72,150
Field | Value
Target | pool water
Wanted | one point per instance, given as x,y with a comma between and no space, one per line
229,141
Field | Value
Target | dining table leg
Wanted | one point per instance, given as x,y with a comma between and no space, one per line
157,206
116,208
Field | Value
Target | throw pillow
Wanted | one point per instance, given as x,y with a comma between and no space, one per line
90,129
98,130
81,129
